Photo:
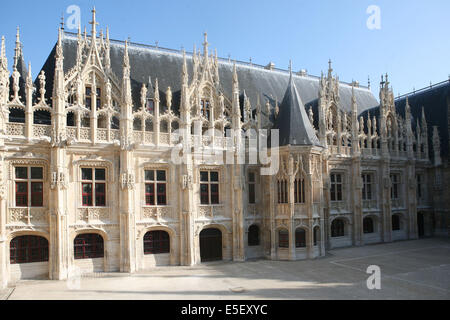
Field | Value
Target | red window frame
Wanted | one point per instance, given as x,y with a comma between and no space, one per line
29,197
156,188
86,196
21,197
95,197
210,195
156,242
88,246
37,197
28,249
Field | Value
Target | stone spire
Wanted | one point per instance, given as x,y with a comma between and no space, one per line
236,111
94,25
107,51
205,47
184,74
436,147
126,82
4,75
17,50
3,59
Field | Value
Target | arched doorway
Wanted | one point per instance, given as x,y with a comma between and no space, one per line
421,224
210,245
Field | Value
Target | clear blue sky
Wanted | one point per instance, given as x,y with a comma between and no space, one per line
412,45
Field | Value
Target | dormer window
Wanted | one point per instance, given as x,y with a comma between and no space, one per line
150,106
88,98
205,108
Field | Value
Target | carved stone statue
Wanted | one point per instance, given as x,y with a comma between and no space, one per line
169,97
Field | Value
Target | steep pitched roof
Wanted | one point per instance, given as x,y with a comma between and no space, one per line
292,122
166,65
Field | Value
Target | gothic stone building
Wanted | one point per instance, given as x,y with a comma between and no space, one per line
88,183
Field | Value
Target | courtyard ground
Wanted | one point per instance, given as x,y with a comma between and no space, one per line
409,270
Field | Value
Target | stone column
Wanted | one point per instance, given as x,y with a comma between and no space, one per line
411,200
59,242
356,198
3,242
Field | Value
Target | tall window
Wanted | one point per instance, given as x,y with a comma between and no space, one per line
336,187
395,186
299,190
93,186
155,187
253,236
338,228
367,186
300,238
205,108
28,249
283,238
282,188
209,187
156,242
368,225
88,246
29,186
419,181
251,187
395,222
88,98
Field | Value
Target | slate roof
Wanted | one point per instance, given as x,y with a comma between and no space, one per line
166,65
292,121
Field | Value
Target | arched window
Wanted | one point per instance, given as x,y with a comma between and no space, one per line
395,222
316,235
253,236
156,242
368,225
88,246
300,238
283,238
28,249
338,228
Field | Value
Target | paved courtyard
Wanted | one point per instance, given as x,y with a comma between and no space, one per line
409,270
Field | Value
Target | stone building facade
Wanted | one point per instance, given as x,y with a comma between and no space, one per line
88,181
